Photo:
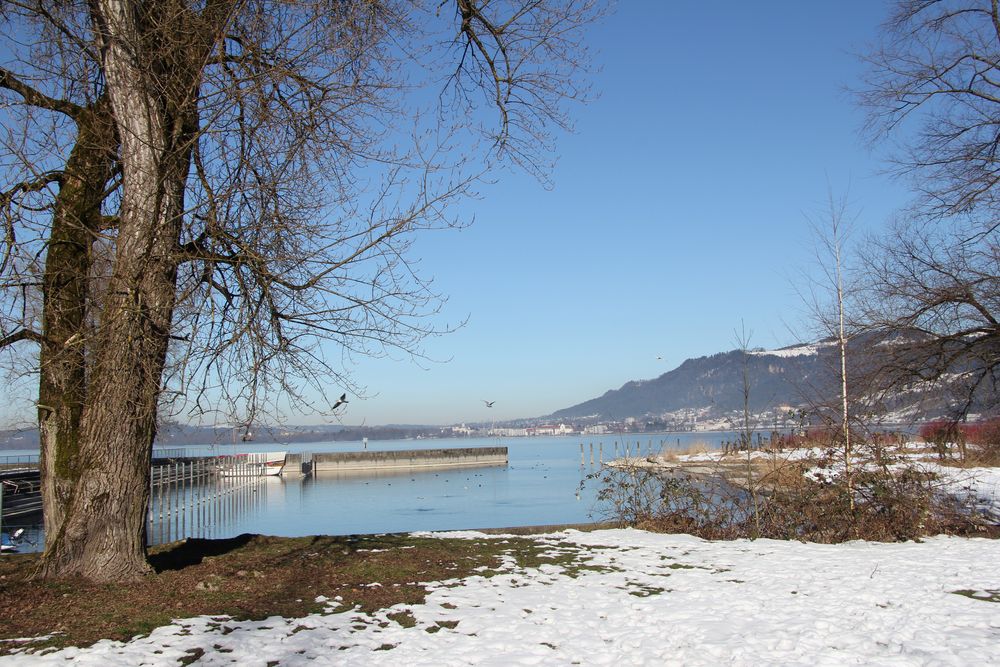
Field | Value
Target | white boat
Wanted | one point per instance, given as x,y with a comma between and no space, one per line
273,462
253,464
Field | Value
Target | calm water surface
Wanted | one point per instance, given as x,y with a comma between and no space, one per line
540,485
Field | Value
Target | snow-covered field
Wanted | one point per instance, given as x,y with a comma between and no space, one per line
638,598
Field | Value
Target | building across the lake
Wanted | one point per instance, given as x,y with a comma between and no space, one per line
550,429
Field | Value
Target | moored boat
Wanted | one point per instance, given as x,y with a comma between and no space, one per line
253,464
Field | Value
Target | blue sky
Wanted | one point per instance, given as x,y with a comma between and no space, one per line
678,209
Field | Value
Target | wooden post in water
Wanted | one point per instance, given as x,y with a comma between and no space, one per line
171,501
206,486
167,502
582,461
192,496
195,498
591,455
164,502
161,479
213,517
169,498
159,503
178,497
188,491
172,493
149,509
600,452
203,491
183,503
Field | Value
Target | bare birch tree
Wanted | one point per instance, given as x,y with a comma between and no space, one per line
203,193
747,424
828,291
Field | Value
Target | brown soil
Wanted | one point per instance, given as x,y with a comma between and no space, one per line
247,577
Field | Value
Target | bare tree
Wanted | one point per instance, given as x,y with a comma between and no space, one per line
249,175
829,305
844,397
934,295
934,88
934,84
747,424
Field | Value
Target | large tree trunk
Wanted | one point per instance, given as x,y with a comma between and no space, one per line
151,79
62,388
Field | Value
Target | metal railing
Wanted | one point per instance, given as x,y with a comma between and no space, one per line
197,498
19,461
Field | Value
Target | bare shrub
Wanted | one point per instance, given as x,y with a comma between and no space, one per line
627,495
692,449
984,438
802,500
942,434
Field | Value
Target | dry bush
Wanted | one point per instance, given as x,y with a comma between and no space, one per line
691,449
627,495
984,441
891,503
942,434
776,472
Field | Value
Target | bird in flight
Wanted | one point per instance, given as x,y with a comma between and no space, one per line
489,404
340,401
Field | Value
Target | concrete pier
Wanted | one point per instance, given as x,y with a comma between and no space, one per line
408,459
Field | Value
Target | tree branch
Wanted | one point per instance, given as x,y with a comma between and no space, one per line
18,336
36,98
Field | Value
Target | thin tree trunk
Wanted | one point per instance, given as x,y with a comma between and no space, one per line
842,341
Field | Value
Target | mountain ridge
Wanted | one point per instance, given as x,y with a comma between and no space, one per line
785,380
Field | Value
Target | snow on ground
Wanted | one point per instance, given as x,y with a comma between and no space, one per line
976,488
635,598
797,454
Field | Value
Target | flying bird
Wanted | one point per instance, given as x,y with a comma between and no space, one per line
340,401
489,404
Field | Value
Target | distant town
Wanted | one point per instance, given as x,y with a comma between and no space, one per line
173,434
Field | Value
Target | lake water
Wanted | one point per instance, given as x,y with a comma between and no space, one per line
539,486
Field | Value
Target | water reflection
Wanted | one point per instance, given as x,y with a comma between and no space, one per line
539,486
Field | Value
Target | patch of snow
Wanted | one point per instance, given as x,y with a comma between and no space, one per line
638,598
716,455
975,488
792,351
